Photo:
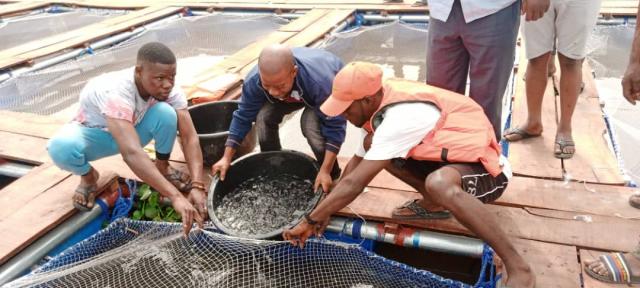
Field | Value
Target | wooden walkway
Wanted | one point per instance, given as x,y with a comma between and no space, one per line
556,224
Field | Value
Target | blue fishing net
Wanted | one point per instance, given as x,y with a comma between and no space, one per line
132,253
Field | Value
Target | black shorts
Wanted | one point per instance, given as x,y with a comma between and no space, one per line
475,178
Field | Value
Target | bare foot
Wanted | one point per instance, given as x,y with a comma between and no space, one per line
178,178
89,183
520,276
597,266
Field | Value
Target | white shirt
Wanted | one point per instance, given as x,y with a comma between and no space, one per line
404,126
471,9
115,95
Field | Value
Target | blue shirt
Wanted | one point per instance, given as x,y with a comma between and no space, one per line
313,82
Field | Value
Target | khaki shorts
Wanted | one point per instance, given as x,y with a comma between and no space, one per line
568,21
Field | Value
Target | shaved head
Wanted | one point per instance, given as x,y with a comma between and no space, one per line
275,58
277,70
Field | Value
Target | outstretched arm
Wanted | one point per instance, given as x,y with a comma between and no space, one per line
134,156
193,155
631,80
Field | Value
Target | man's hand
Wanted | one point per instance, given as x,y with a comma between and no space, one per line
534,9
300,233
188,213
323,179
222,166
631,83
198,199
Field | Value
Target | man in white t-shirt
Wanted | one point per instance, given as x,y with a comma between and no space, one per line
439,142
121,112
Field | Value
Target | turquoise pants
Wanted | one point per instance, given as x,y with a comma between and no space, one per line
74,146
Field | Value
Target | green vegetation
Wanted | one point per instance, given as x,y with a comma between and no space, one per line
149,207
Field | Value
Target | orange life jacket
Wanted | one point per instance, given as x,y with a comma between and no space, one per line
463,134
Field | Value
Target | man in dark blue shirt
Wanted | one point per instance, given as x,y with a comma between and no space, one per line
286,80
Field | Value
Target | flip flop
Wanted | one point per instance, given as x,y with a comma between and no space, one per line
564,143
520,132
419,212
179,179
618,268
89,194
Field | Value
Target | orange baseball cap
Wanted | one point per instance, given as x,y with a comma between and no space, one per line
355,81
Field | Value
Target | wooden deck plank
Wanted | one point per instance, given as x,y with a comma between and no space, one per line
593,162
30,124
588,281
601,233
23,6
605,200
625,8
26,52
39,216
23,148
319,28
308,19
553,265
17,194
534,156
548,194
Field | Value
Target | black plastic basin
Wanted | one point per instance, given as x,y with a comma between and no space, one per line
262,164
212,121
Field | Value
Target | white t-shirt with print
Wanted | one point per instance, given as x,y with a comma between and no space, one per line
404,127
115,95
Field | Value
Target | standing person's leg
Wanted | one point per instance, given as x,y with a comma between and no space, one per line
539,41
268,123
448,186
572,42
72,148
447,59
312,131
491,44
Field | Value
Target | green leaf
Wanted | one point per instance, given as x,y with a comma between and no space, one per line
144,191
153,199
157,218
137,215
151,212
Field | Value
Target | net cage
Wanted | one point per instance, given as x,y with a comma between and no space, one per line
198,42
132,253
48,22
608,49
399,48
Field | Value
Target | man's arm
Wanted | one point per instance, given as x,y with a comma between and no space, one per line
193,156
631,79
348,189
134,156
324,175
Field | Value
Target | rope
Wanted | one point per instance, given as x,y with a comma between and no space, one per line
487,266
123,205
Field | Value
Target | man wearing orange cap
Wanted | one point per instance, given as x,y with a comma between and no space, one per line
439,142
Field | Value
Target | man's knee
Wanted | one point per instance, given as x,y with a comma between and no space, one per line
541,61
441,186
64,151
569,63
165,114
